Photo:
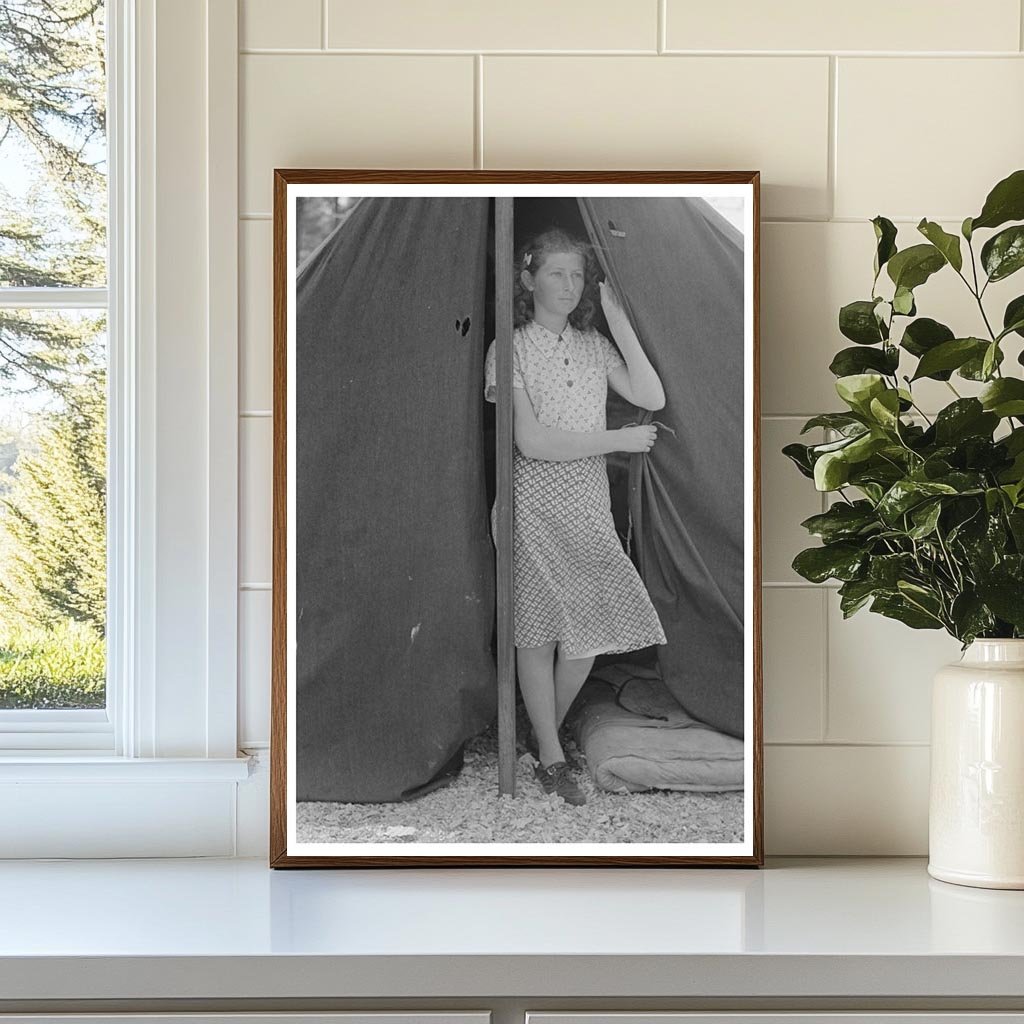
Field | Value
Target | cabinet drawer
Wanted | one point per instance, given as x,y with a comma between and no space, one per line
357,1017
790,1017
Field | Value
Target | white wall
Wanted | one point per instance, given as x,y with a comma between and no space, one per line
908,110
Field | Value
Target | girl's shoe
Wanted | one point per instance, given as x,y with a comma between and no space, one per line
534,748
557,778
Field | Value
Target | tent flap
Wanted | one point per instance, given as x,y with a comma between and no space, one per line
681,282
394,560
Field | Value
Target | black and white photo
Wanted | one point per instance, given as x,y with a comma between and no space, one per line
516,613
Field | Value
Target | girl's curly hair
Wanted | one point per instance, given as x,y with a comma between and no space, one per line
532,255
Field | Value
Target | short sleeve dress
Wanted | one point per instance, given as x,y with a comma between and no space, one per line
572,579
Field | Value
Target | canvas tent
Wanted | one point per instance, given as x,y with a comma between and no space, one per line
395,603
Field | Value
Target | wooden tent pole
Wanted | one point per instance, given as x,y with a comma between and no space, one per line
503,269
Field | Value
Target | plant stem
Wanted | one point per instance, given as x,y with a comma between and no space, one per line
952,565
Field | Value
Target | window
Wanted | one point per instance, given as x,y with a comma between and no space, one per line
156,769
53,372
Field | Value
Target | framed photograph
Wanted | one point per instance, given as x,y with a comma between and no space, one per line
516,558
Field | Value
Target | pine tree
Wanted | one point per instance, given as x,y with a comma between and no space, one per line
53,117
53,519
53,123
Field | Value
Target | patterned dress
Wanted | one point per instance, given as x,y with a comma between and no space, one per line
572,579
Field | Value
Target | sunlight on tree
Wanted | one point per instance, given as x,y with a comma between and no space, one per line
53,213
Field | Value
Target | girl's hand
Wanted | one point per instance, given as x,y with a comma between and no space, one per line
636,439
610,302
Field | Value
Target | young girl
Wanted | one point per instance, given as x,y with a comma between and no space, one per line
576,594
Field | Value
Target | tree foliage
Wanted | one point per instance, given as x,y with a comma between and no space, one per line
53,521
933,532
52,122
52,235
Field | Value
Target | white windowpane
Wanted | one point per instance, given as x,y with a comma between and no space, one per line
52,509
53,150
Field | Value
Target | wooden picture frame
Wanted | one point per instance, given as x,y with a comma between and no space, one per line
342,524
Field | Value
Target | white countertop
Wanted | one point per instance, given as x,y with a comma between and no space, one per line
234,928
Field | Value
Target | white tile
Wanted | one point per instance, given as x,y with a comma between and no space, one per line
269,24
868,25
680,113
848,801
255,321
794,663
809,271
351,111
255,497
962,130
254,637
787,499
880,676
471,25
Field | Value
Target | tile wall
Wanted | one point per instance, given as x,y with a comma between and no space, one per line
907,110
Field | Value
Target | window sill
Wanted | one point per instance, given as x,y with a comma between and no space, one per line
73,805
76,766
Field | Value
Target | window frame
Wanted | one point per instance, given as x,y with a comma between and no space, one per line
87,729
172,468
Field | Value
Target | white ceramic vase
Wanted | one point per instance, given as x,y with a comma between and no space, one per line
976,810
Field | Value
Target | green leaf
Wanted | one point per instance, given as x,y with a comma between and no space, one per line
857,321
994,498
882,471
1003,254
872,491
970,617
1014,441
905,494
966,417
964,481
840,561
864,446
912,267
1004,397
887,570
965,228
983,540
885,235
947,244
1006,599
948,356
1015,519
849,361
799,454
841,421
858,389
923,335
925,518
854,594
898,607
817,450
842,521
1013,476
1013,317
990,360
831,471
974,368
903,302
885,409
1005,202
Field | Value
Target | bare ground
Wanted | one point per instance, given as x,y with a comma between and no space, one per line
469,810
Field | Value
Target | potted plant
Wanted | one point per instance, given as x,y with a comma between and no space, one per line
927,521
